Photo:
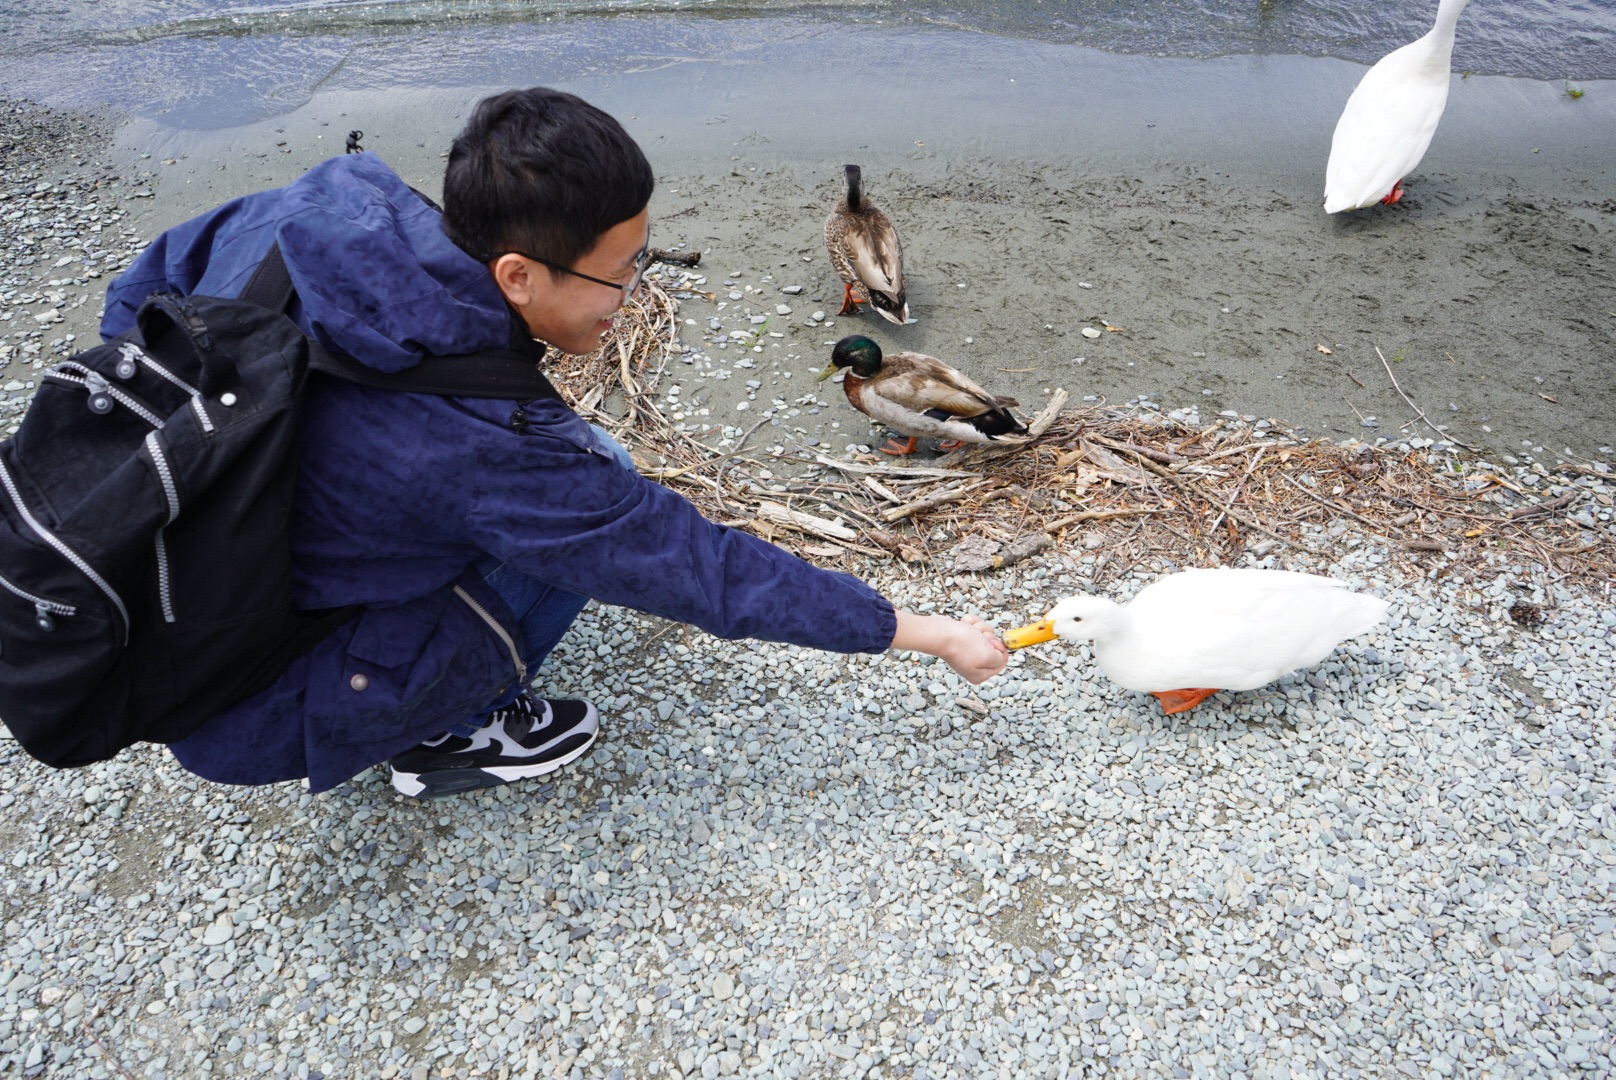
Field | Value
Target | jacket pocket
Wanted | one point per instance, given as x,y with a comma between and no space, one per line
429,661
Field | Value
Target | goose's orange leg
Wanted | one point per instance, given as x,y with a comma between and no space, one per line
1177,701
848,306
1394,194
950,444
893,446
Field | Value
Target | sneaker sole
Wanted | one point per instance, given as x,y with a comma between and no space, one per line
434,785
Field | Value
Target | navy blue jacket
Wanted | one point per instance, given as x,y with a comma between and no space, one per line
398,493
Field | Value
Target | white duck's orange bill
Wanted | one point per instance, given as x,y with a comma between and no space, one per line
1035,634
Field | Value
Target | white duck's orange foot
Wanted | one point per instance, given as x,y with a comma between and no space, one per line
1394,195
1177,701
895,447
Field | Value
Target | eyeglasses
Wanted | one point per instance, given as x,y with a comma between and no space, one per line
641,261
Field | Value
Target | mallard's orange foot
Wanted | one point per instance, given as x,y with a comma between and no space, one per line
849,307
893,446
1394,195
1177,701
950,444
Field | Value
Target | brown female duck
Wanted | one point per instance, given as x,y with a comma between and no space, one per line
864,248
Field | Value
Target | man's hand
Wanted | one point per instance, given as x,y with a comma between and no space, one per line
968,645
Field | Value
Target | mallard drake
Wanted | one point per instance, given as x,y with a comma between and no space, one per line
865,251
1191,634
919,396
1390,118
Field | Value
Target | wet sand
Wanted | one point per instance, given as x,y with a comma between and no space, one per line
1043,189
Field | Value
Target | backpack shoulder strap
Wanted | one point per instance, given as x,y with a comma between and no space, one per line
502,374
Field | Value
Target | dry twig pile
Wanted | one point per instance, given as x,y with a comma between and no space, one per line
1126,484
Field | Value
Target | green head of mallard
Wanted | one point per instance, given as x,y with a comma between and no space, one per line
858,354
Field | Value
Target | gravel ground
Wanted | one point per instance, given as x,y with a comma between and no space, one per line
67,226
781,863
784,863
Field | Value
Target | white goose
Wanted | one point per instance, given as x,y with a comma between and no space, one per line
1196,632
1390,118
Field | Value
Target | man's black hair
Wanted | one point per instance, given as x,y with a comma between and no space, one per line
541,171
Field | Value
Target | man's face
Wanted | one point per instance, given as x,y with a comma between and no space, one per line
570,312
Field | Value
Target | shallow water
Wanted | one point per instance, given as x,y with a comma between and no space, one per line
206,64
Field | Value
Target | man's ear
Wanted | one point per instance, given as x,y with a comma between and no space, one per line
514,277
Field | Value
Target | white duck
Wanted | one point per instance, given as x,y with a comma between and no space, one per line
1390,118
1196,632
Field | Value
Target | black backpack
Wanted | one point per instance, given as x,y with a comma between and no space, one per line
145,571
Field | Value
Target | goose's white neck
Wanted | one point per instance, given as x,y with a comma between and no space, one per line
1432,55
1447,19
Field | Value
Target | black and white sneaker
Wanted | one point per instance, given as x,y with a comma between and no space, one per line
529,737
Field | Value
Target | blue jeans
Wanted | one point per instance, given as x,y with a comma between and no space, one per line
543,611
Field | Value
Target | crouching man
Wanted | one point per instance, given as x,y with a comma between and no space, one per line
471,531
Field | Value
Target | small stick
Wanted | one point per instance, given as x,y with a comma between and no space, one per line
1160,457
893,470
886,493
101,1046
1101,515
669,474
1238,489
1544,507
931,502
1421,412
662,255
840,507
1361,417
1198,436
1337,507
1231,451
1357,380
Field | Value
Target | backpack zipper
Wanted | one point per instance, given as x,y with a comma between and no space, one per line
43,609
170,493
493,623
130,351
135,354
66,552
96,383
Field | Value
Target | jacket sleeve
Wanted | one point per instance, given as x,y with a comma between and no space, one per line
557,508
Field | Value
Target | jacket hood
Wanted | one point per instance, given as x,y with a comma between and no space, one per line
377,277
